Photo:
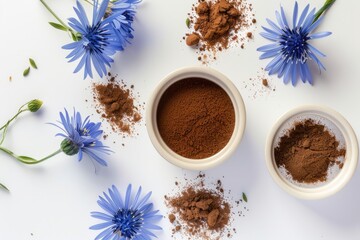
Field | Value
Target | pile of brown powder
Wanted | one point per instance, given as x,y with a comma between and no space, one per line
195,118
201,209
307,152
199,212
117,104
216,23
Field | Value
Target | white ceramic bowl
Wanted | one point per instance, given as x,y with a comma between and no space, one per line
240,118
337,125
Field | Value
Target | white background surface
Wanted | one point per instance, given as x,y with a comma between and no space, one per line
53,200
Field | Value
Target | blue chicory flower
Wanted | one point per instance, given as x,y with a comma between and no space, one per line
291,50
97,42
81,137
131,218
125,11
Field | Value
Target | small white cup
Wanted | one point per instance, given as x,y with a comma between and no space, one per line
338,125
240,118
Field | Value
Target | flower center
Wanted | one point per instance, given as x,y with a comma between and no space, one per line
85,132
294,45
95,39
128,222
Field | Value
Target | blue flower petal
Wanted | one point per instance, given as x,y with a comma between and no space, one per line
319,35
316,51
295,14
303,15
283,17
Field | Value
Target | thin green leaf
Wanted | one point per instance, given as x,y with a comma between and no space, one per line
26,72
187,22
27,160
244,197
58,26
4,187
32,63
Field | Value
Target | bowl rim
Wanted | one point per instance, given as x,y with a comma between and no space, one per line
346,172
239,109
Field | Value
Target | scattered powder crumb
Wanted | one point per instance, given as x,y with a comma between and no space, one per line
116,104
265,82
10,78
172,218
260,85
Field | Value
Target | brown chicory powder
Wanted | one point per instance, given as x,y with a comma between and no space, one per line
195,118
216,24
117,104
200,210
307,151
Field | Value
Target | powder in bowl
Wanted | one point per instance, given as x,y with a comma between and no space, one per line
307,152
195,118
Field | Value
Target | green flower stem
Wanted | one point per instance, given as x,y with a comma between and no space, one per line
5,127
26,159
54,14
327,5
17,114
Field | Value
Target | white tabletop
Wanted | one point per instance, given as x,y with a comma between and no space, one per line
53,200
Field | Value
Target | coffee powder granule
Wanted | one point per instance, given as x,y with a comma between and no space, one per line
307,151
195,118
117,104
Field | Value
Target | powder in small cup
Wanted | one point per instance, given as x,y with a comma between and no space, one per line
307,152
195,118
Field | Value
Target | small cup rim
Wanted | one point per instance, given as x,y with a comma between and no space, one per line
345,174
240,118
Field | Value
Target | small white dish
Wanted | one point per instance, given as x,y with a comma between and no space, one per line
338,126
240,118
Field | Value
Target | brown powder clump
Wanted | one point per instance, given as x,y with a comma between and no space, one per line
265,82
117,104
201,209
307,152
217,22
195,118
192,39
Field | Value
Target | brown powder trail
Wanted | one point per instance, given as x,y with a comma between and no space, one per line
307,152
117,104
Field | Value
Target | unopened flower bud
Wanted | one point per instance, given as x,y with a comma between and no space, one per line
34,105
69,147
